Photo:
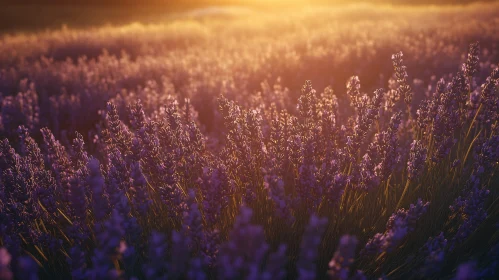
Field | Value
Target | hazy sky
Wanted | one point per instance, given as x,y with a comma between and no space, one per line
190,3
29,15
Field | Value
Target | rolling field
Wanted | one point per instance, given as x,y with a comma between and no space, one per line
338,142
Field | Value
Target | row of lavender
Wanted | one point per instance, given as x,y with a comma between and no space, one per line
240,57
269,196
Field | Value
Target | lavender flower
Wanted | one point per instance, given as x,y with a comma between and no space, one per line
156,267
309,247
110,248
401,75
309,191
276,265
79,154
471,65
137,115
139,190
366,177
120,136
341,264
275,187
353,90
385,150
398,226
196,271
77,262
57,158
245,250
367,111
470,212
335,188
306,102
27,268
417,158
467,271
487,156
100,199
5,258
434,254
181,254
78,200
216,186
192,226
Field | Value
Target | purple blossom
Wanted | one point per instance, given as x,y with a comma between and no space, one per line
487,156
216,186
306,102
275,188
139,190
100,199
309,191
109,237
309,248
79,156
5,258
156,266
398,226
467,271
353,90
488,98
384,149
79,200
471,65
401,76
192,224
118,133
341,264
27,268
417,159
367,178
434,253
470,213
245,251
77,263
276,264
58,160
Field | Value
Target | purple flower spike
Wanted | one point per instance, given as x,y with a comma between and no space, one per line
417,159
471,65
5,258
341,264
434,252
100,200
398,226
309,248
467,271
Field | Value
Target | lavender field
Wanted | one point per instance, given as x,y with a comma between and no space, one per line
341,143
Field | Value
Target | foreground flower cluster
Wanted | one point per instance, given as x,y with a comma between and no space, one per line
393,183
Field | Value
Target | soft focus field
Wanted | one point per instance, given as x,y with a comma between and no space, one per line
357,142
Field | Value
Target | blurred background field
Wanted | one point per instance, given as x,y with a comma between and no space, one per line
197,52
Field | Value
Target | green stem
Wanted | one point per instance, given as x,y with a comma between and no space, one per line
403,194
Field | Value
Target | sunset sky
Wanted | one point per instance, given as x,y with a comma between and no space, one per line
190,3
29,15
